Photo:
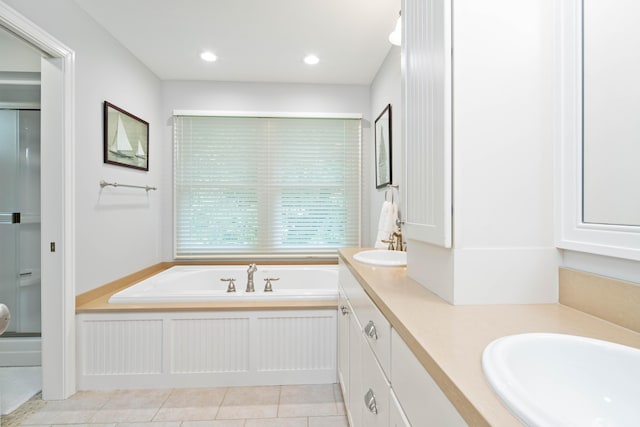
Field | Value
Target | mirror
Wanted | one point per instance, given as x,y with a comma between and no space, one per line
611,112
598,210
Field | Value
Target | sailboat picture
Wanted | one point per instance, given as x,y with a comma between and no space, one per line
126,138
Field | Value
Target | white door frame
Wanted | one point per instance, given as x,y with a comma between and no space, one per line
58,205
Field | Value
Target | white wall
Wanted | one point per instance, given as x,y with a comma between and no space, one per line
117,230
264,97
386,88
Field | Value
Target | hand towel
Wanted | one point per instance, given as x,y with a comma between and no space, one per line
386,223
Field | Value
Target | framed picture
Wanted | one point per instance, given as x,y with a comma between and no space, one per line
383,147
126,138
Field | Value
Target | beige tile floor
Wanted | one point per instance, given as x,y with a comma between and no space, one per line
265,406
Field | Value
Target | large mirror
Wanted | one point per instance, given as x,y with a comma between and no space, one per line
611,112
598,132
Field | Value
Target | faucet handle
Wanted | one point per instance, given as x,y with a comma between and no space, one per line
232,284
267,286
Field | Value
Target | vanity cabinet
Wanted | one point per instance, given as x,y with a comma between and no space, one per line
383,383
423,402
364,339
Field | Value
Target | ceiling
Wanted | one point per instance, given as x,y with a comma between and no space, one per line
255,40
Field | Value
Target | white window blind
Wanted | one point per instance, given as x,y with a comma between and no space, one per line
265,185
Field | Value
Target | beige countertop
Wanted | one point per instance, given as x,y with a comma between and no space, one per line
449,340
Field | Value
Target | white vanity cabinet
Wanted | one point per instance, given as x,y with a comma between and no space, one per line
364,340
397,418
372,360
423,402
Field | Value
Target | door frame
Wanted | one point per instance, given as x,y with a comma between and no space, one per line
58,205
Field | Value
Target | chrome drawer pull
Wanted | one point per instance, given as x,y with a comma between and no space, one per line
370,330
344,310
370,401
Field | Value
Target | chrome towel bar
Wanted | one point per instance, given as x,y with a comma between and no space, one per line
103,184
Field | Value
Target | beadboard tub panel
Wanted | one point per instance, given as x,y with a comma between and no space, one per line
205,349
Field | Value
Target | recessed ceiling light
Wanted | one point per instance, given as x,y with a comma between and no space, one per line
311,60
208,56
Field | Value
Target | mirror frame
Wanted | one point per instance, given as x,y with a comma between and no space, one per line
570,231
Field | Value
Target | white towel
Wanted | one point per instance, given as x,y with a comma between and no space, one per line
386,224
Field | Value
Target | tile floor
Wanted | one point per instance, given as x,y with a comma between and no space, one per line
264,406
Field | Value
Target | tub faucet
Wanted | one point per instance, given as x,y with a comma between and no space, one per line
252,269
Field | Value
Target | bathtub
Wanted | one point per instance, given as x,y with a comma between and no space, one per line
288,336
202,283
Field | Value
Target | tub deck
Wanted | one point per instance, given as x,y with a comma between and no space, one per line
97,300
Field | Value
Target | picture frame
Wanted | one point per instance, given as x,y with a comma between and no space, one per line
382,132
126,138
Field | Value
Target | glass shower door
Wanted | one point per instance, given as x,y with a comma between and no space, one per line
9,212
20,219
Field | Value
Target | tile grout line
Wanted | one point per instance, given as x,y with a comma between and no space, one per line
161,405
226,391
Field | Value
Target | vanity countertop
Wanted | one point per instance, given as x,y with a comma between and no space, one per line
449,340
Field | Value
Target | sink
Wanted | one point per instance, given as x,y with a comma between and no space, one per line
565,380
382,257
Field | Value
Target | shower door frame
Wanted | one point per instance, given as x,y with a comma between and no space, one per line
57,204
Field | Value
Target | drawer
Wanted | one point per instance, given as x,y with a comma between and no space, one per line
375,392
348,282
375,327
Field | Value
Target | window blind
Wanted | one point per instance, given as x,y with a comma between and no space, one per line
265,185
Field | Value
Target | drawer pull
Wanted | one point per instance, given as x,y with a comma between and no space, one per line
370,330
344,310
370,401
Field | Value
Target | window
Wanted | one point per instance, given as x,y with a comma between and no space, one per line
265,185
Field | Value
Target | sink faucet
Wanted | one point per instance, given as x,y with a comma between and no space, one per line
252,269
395,241
398,237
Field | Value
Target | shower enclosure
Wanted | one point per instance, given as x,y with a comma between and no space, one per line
20,235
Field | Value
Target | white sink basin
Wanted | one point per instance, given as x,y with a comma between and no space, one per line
565,380
382,257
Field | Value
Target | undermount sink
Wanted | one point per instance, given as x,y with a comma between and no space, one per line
565,380
382,257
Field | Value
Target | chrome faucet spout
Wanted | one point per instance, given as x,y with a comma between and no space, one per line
250,286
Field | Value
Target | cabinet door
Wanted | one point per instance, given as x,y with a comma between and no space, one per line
422,400
427,94
344,312
397,418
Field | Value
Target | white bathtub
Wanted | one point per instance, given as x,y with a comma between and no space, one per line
202,283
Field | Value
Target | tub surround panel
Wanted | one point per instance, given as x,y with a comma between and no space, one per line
206,348
116,347
610,299
448,340
209,345
296,343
